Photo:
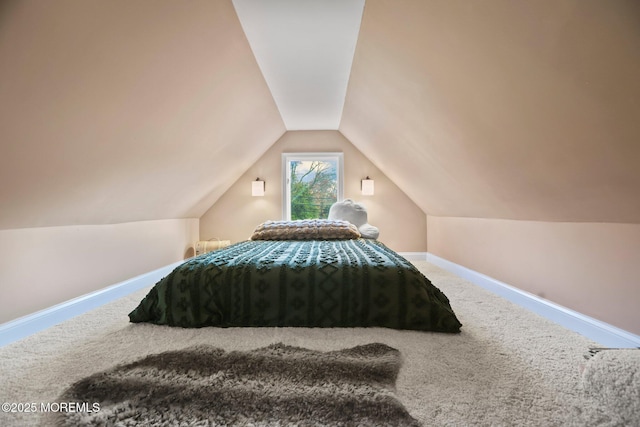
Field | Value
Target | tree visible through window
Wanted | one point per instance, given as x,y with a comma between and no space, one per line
313,184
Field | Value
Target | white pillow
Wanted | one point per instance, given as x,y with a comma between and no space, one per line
356,214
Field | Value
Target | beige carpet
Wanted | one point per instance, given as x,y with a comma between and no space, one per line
508,367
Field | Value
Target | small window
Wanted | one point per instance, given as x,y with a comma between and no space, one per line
312,183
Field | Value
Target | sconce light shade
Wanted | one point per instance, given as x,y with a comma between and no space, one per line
257,187
367,187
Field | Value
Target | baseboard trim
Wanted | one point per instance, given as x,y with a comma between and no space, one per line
22,327
601,332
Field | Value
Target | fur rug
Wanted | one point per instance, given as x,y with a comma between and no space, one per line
271,386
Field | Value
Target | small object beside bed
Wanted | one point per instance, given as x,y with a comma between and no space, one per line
312,273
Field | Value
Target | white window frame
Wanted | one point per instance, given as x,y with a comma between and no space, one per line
287,158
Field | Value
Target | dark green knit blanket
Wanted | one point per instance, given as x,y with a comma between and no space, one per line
326,283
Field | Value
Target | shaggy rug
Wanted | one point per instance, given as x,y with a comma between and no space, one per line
274,385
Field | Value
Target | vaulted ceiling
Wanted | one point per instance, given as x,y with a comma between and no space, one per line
501,108
116,111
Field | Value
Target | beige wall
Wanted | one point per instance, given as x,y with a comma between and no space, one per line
235,215
524,113
41,267
592,268
122,111
502,109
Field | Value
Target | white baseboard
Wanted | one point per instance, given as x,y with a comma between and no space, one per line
30,324
601,332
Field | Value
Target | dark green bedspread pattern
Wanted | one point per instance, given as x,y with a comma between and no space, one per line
325,283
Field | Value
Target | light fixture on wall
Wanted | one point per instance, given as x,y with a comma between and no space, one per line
367,187
257,187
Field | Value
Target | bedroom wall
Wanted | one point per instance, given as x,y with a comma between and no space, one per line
502,109
120,111
524,113
235,215
41,267
592,268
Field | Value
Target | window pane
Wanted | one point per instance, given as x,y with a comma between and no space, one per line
314,188
312,182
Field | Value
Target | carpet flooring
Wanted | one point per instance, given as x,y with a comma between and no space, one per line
508,366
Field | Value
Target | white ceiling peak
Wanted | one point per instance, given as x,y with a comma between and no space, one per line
305,49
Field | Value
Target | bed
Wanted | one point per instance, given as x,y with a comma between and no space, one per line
317,273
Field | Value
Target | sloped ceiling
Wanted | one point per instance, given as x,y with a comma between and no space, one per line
501,108
118,110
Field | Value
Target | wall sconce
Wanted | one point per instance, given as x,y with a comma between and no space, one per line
367,187
257,187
